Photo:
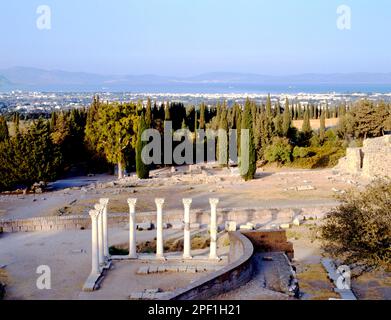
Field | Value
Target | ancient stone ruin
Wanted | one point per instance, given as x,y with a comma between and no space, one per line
371,161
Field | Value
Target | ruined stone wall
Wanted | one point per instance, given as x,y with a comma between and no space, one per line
377,157
371,161
232,276
240,215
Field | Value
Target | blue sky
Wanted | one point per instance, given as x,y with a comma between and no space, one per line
188,37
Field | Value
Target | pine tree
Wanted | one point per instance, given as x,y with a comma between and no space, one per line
248,160
141,168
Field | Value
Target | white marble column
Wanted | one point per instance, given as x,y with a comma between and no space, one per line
186,233
213,229
99,209
94,240
104,202
159,228
132,228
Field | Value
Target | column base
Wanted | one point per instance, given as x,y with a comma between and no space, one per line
133,256
160,257
187,257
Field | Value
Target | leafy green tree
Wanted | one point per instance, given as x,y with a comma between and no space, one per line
279,151
114,131
358,232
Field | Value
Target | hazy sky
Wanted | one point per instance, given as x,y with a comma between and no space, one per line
187,37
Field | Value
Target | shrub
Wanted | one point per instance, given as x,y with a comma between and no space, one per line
280,151
358,232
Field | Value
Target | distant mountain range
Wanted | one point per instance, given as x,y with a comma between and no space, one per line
32,79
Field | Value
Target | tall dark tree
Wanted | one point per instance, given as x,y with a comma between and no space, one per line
322,129
287,119
4,134
202,116
248,160
148,114
142,169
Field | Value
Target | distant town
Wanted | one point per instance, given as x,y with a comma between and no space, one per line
46,102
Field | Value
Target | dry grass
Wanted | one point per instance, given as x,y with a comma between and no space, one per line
375,285
315,123
315,283
171,245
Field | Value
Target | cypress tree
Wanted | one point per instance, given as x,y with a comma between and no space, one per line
269,112
142,169
251,157
306,128
202,116
167,113
287,119
223,153
16,123
148,114
322,129
195,120
4,134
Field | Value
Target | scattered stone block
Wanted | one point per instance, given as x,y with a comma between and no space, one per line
144,226
305,188
230,226
296,222
285,226
246,227
153,291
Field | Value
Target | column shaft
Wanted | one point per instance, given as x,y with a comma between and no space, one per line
132,228
159,228
186,233
94,241
213,229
